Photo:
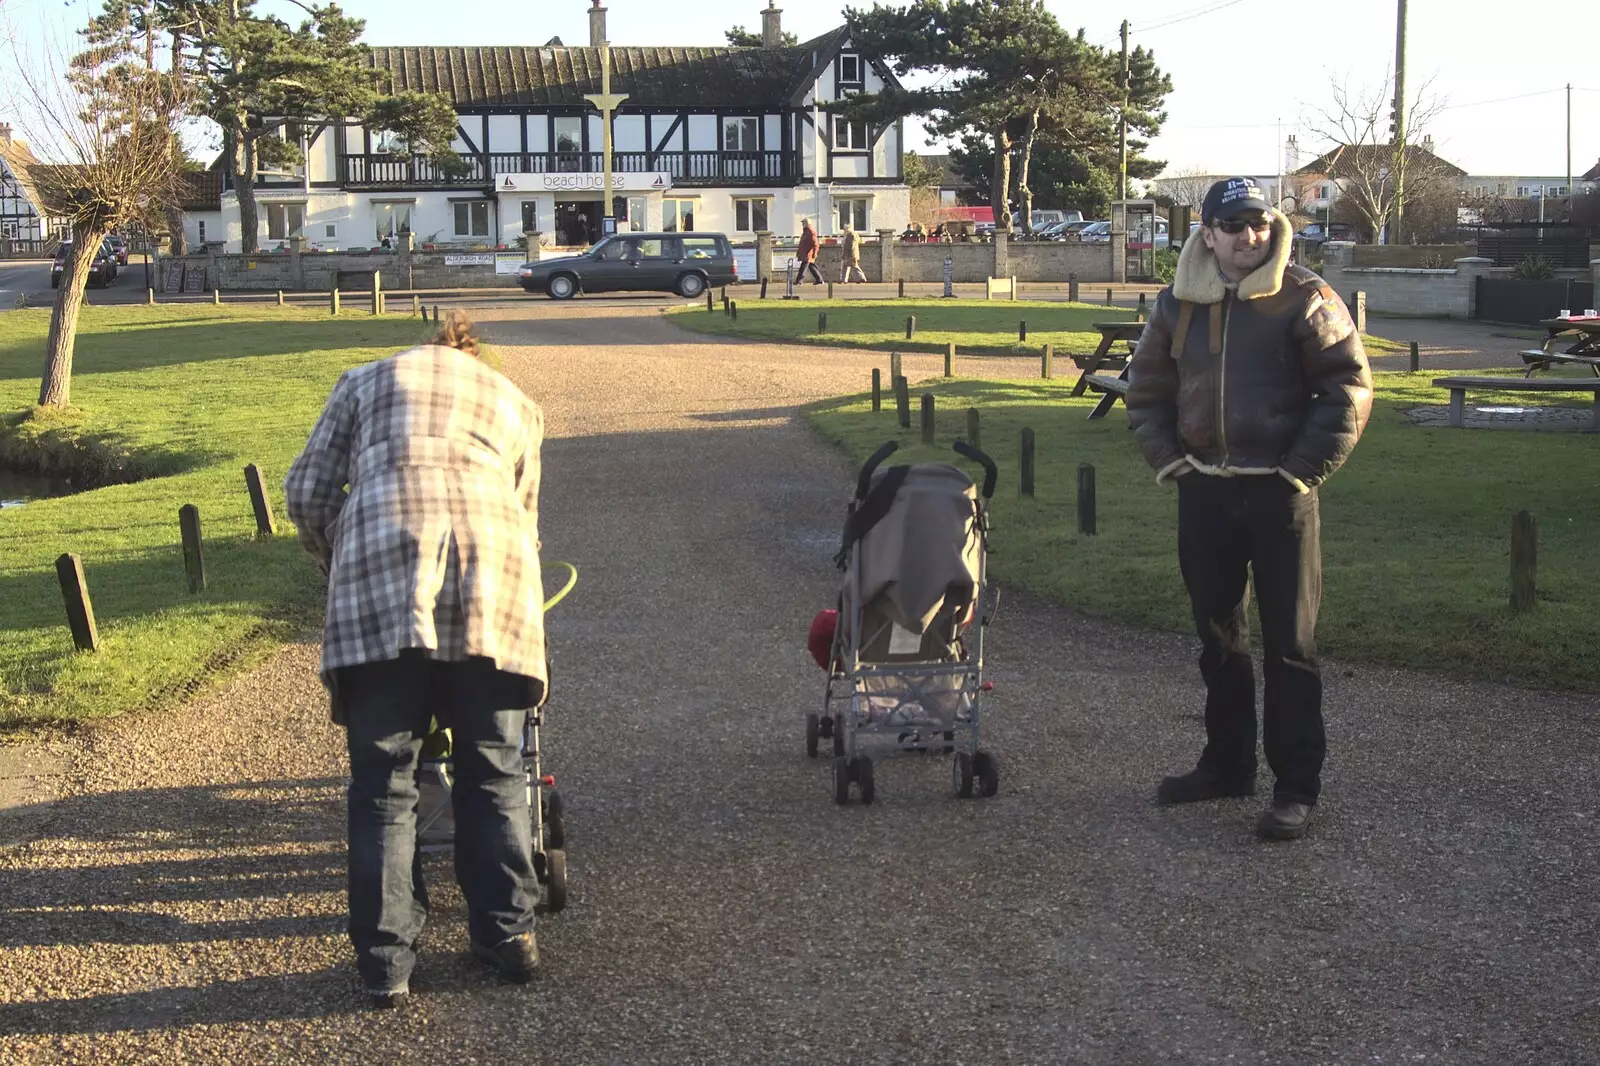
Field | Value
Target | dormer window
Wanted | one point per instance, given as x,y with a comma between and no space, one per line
850,71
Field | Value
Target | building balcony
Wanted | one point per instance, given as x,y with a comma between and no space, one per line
686,168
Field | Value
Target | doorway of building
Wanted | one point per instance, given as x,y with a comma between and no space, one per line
577,222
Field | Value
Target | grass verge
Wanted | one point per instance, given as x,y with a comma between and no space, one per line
1416,527
190,393
974,325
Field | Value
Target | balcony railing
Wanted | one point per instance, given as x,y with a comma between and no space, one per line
686,168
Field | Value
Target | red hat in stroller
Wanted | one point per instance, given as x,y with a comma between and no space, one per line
820,640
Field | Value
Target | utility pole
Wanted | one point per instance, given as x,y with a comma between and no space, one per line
1122,139
1569,151
608,104
1399,163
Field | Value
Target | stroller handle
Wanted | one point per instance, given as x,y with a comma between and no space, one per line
990,473
864,481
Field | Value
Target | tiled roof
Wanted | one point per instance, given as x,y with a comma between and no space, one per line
1593,174
1340,159
200,190
560,77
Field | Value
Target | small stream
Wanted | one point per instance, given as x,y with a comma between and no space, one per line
18,489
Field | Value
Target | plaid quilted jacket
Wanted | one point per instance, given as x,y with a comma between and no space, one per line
418,492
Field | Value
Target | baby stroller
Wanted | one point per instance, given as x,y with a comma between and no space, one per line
905,673
436,823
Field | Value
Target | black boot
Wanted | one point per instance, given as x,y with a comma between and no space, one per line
1285,820
516,958
1203,784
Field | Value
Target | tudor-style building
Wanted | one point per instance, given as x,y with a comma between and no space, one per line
19,217
711,139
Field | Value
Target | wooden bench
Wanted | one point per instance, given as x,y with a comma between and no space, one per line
1110,333
1539,359
1458,387
1114,388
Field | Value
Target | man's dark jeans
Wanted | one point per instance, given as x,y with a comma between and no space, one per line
387,708
816,275
1258,525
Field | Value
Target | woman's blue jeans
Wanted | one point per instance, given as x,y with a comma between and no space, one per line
386,708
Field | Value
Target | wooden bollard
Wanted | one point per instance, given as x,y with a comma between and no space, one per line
377,292
216,297
895,369
822,321
1072,287
830,290
1025,461
877,389
333,302
80,611
726,304
1416,358
764,288
927,418
973,437
902,402
1143,307
724,301
1047,360
436,312
1108,297
710,301
149,297
911,326
1524,561
1358,309
280,297
1086,501
1022,332
194,558
950,360
265,524
733,310
416,306
902,289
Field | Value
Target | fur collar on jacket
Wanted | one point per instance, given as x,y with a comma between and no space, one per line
1198,280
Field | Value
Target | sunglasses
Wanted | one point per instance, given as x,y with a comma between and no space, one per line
1235,226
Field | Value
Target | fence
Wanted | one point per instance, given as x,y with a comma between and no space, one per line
1509,243
1528,303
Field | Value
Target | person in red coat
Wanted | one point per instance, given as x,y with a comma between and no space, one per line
806,254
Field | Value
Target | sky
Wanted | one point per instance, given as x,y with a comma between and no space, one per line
1246,73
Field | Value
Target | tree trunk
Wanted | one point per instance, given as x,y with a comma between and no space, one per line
55,387
1000,183
1024,191
244,182
177,241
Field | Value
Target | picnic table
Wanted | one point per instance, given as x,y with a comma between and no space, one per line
1110,333
1585,350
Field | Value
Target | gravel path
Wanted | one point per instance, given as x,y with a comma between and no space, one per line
182,901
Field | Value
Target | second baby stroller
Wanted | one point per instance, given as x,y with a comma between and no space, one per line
905,673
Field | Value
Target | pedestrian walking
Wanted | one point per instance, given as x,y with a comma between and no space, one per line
435,611
806,253
1249,388
852,256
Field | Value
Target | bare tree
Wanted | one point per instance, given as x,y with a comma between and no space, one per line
104,123
1373,174
1188,186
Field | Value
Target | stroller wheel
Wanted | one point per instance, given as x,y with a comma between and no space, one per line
863,776
555,889
813,732
838,741
826,726
541,867
841,780
987,772
961,770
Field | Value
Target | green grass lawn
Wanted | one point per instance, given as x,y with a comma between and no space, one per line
974,325
205,390
1416,527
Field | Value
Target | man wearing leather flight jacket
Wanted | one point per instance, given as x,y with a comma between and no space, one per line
1249,388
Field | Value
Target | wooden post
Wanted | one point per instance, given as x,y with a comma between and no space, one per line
902,402
150,297
194,559
333,302
416,306
927,418
877,389
830,290
377,292
280,297
724,300
764,288
80,611
710,301
1108,297
1047,368
1142,308
1072,287
733,310
950,360
216,297
1416,358
1359,310
1524,561
973,429
1022,332
895,369
902,292
265,525
911,326
726,304
1086,501
436,312
822,321
1025,461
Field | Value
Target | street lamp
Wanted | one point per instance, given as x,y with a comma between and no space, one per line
608,103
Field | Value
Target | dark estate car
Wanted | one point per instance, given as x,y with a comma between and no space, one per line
684,263
102,273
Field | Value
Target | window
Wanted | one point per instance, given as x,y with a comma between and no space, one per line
647,248
284,221
569,144
8,230
472,218
1523,191
530,216
750,215
202,227
387,143
391,219
851,136
636,208
740,135
612,250
677,216
849,69
853,213
700,248
1325,192
330,230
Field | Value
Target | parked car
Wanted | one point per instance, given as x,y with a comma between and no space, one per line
1317,232
1095,233
102,273
684,263
1069,231
1140,239
1045,217
119,245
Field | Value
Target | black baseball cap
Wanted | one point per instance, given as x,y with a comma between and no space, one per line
1231,198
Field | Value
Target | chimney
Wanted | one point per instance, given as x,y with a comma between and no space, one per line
771,26
597,25
1291,162
1427,143
5,133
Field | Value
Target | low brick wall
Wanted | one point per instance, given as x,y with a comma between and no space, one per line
1449,293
